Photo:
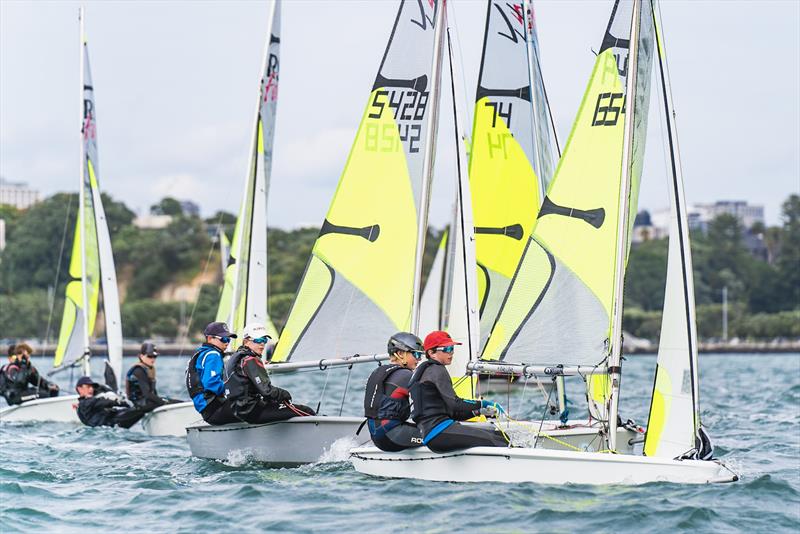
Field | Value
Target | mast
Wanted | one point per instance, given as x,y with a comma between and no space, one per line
532,59
428,161
614,369
85,367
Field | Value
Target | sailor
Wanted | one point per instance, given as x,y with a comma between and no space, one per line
99,406
20,381
435,407
204,376
140,382
386,405
248,388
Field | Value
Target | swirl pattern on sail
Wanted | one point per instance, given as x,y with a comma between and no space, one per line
558,308
505,187
358,286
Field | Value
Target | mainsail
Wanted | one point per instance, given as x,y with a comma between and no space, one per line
244,295
359,286
673,426
559,307
512,138
92,261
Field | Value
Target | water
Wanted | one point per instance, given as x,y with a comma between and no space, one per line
60,478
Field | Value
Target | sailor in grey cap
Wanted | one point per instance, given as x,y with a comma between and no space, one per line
140,381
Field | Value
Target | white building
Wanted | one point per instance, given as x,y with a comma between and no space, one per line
700,215
17,194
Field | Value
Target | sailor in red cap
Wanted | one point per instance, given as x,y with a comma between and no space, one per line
436,408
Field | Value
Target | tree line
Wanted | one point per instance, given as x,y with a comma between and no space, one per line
764,296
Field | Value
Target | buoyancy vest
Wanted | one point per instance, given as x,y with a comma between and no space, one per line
237,385
132,388
379,405
194,383
425,401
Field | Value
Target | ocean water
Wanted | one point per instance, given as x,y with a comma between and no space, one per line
64,478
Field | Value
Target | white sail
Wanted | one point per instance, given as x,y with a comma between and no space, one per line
463,323
430,304
245,293
92,263
674,419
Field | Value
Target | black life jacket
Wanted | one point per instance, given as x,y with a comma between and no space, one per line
425,401
132,389
3,380
237,385
194,383
378,405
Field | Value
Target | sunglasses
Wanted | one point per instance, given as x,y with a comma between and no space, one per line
224,339
446,350
260,340
154,356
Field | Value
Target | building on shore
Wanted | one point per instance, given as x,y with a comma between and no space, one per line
17,194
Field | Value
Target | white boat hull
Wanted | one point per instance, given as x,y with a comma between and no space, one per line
492,464
577,436
300,440
53,409
171,419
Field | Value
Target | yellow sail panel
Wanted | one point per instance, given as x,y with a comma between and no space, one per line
361,239
505,194
378,146
73,325
659,412
558,307
592,154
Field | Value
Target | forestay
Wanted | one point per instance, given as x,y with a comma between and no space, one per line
511,138
245,292
92,262
359,284
558,309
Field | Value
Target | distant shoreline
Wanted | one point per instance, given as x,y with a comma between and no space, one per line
175,350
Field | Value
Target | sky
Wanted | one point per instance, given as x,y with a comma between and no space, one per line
175,84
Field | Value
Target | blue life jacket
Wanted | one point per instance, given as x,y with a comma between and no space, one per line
202,387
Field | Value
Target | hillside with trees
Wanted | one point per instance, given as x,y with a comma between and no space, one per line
763,294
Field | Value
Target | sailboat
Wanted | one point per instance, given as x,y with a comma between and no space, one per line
92,274
612,121
244,294
361,284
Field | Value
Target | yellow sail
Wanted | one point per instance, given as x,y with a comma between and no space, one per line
506,144
558,309
358,286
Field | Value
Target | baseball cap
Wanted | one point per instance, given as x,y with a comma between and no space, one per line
255,331
149,349
438,338
85,381
218,329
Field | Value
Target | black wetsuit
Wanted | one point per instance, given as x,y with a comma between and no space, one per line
250,394
21,382
140,387
389,429
436,408
106,409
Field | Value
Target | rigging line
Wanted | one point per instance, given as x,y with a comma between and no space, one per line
463,80
544,414
346,385
322,393
58,270
194,306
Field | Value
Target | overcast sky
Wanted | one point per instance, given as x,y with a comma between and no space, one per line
175,82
